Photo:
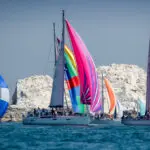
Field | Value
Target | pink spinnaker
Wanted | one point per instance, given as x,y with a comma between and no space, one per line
89,85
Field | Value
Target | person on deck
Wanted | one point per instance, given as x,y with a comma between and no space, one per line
34,112
53,112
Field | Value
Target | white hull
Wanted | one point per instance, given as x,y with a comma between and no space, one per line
136,122
106,122
60,120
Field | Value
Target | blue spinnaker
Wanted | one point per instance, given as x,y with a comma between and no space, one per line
4,97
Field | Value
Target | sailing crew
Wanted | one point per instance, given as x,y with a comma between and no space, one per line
11,117
148,115
34,112
38,112
53,112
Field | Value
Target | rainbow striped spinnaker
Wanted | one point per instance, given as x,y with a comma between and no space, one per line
73,82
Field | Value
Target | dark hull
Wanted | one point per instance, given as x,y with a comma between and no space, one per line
108,122
136,122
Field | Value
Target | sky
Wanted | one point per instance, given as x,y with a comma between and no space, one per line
114,31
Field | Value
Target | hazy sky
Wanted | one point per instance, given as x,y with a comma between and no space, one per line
114,31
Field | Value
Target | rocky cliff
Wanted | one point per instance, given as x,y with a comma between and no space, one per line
128,82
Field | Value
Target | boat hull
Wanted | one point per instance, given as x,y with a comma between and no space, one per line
136,122
106,122
59,121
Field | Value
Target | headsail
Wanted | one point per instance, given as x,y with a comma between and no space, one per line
119,109
89,87
142,107
57,97
111,94
148,82
4,97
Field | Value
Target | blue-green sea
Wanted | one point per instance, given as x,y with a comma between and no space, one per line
15,136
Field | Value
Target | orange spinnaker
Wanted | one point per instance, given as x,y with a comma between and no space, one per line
111,94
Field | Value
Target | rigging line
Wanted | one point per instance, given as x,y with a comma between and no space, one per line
47,60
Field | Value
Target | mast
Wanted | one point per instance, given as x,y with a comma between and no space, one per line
63,31
115,113
148,82
63,40
137,106
102,93
54,44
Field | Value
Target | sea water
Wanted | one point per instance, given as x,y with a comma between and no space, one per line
15,136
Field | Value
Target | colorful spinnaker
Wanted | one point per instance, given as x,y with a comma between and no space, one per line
111,94
70,56
4,97
73,82
89,86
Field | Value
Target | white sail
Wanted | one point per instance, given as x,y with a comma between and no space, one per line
119,109
57,97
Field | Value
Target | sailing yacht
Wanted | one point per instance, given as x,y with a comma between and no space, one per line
89,88
144,120
114,106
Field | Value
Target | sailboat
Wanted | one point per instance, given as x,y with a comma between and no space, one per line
115,107
89,88
4,97
145,120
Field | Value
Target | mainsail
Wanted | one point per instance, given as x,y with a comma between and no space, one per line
148,82
89,86
111,94
4,97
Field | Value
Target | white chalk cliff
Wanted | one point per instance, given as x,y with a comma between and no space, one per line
128,82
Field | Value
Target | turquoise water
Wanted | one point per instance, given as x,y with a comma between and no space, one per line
15,136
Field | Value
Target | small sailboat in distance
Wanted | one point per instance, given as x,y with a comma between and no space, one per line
110,118
143,120
4,97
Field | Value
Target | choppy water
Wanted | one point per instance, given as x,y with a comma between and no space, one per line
15,136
